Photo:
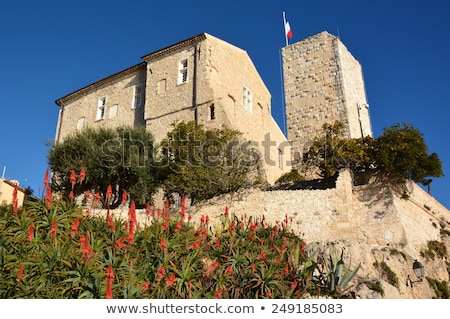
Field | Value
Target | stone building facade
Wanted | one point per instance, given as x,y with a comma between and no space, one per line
202,78
213,82
323,83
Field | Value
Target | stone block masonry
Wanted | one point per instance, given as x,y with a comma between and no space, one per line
323,83
375,213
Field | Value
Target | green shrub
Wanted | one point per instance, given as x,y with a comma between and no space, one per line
387,273
440,288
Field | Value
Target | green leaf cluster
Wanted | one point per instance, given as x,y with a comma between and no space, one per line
397,155
170,256
203,163
194,161
122,157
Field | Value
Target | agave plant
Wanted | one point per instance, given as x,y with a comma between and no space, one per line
338,275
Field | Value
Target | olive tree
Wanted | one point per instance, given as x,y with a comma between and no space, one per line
121,157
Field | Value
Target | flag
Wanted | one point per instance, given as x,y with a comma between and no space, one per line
287,29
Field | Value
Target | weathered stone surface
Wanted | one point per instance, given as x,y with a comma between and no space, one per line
323,83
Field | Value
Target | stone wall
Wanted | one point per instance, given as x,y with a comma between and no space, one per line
371,223
374,213
323,83
119,94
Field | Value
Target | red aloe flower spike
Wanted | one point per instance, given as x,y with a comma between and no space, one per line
171,280
82,175
124,196
108,193
109,280
161,273
15,201
132,212
226,212
217,245
286,269
229,270
30,232
213,267
96,197
163,244
53,229
253,266
120,243
110,221
167,205
232,227
20,273
147,209
110,272
263,256
165,225
294,283
74,229
218,294
183,212
194,245
145,286
179,226
46,178
87,251
48,196
71,195
282,249
73,178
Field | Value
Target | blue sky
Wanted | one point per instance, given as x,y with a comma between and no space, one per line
51,48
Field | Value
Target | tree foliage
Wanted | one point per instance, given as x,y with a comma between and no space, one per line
330,152
403,154
202,163
399,154
120,157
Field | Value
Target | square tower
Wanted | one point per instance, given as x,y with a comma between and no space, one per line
323,83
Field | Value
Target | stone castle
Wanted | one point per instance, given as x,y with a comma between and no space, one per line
212,82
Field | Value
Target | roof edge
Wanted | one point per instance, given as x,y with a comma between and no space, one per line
60,101
179,45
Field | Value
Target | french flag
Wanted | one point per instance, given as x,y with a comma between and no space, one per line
287,27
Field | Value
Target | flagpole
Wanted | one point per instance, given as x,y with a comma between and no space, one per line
284,28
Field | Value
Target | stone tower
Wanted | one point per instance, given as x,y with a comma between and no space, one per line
323,83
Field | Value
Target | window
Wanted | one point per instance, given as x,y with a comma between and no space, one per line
280,158
247,99
183,71
113,111
80,123
101,109
137,97
212,112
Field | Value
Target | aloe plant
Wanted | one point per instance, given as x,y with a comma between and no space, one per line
339,276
